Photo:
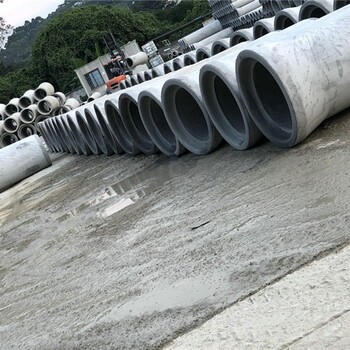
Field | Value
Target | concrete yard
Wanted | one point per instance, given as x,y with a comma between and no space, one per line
138,253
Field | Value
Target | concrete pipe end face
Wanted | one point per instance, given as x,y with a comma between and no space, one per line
188,118
283,21
266,99
312,9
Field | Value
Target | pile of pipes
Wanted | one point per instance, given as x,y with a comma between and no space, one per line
280,86
19,118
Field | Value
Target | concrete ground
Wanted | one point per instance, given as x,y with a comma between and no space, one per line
138,253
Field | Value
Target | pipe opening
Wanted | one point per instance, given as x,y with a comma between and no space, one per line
11,109
176,66
283,22
202,56
260,31
154,74
28,115
95,130
8,139
25,131
85,131
167,69
129,62
40,93
188,61
340,3
218,48
312,11
134,81
148,76
25,102
44,107
10,124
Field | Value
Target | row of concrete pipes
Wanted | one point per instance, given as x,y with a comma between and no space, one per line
280,86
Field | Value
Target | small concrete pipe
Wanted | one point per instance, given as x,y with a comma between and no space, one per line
190,58
117,126
29,114
39,118
225,33
21,160
43,90
287,101
224,102
339,4
7,139
287,18
3,114
61,97
220,45
137,59
241,36
133,80
26,130
47,105
204,52
157,71
94,96
154,121
263,27
72,103
99,115
46,133
315,9
186,113
12,107
27,99
12,123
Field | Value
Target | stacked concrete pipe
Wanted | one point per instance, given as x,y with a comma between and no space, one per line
315,9
242,35
26,99
287,18
263,27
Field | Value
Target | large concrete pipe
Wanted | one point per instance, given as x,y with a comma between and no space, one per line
225,33
29,114
7,139
204,52
133,80
117,126
337,4
287,18
26,130
200,34
223,100
129,112
86,133
157,71
186,113
137,59
101,118
263,27
3,114
12,107
12,123
47,105
140,76
220,45
315,9
243,10
61,129
148,75
61,97
94,96
287,101
178,63
43,90
190,58
72,141
45,132
168,66
241,35
21,160
155,123
27,99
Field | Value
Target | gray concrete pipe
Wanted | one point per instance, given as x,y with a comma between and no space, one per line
178,63
7,139
220,45
129,112
154,121
248,8
168,66
60,127
204,52
12,107
242,35
263,27
43,90
71,103
26,99
148,75
61,97
288,101
45,132
315,9
29,114
137,59
225,33
133,80
190,58
117,126
56,138
26,130
12,123
21,160
2,111
94,96
224,102
140,76
100,114
287,18
122,85
47,105
339,4
157,71
186,113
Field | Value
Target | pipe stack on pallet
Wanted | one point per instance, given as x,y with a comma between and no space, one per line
280,86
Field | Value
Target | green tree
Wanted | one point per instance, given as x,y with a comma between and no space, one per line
4,29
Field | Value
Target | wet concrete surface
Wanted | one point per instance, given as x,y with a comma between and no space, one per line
129,253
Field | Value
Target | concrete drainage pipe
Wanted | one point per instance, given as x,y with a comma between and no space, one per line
99,115
12,123
140,76
137,59
315,9
47,105
43,90
134,80
178,63
263,27
223,100
190,58
69,135
155,123
339,4
71,103
12,107
147,75
157,71
27,99
242,35
26,130
186,113
129,112
21,160
58,139
7,139
118,128
29,114
61,129
203,52
287,18
45,132
220,45
61,97
168,66
288,101
94,96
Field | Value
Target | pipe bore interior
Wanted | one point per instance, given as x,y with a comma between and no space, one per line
167,69
40,93
176,66
313,12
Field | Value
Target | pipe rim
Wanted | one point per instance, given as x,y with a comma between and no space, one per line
69,134
283,21
281,134
312,9
59,124
22,134
78,135
7,139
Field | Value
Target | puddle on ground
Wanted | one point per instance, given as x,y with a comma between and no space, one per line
135,187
